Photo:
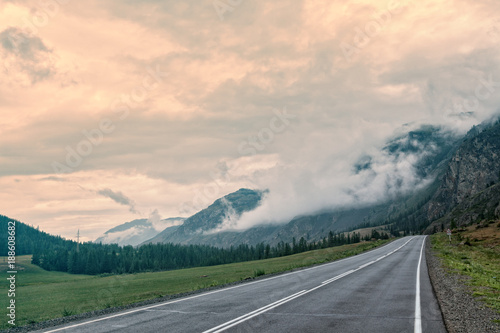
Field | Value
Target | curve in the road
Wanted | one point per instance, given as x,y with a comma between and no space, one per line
384,289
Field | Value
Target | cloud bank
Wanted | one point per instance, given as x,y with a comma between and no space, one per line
120,198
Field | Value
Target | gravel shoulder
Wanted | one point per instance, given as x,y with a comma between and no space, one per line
461,311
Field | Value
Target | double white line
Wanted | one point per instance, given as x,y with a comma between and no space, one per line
252,314
338,277
271,306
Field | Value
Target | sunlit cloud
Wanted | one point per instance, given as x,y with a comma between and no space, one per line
220,82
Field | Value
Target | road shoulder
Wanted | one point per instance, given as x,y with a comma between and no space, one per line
461,311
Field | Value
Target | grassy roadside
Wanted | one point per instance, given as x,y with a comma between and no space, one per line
474,252
42,295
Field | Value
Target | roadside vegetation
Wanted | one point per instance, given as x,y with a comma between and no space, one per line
474,251
43,295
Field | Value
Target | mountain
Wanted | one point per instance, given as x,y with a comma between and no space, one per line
137,231
465,173
474,167
222,211
484,205
431,147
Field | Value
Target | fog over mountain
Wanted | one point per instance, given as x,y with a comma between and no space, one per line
449,174
137,231
329,182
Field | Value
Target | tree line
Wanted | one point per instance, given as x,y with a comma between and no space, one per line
91,258
55,253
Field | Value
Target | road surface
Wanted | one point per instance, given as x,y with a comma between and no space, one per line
384,290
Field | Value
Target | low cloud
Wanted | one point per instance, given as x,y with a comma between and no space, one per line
155,220
159,225
53,178
364,176
230,220
120,198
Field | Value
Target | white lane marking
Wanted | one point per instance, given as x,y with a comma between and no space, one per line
215,291
367,264
338,277
250,315
255,313
418,314
364,265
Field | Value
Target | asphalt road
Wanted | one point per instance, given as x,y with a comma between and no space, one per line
384,290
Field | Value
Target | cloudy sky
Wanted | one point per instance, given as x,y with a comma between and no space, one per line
111,110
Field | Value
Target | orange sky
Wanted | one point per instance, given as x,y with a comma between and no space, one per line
158,98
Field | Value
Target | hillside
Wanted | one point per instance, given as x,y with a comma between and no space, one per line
484,205
474,167
468,190
28,238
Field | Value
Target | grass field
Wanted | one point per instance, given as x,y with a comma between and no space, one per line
475,252
42,295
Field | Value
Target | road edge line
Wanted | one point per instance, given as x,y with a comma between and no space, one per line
418,313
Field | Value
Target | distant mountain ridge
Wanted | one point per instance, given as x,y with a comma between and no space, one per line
137,231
